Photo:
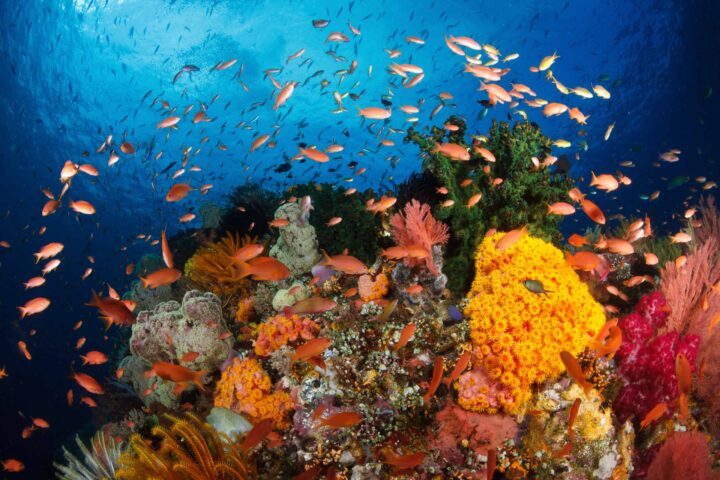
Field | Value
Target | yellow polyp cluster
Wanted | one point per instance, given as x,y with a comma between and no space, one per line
371,289
245,388
245,310
518,334
280,330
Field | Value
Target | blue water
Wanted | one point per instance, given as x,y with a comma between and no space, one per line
72,73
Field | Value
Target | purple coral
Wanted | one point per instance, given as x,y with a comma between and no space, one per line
647,360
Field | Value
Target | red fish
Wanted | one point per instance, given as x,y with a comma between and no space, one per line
460,367
404,462
257,434
88,383
159,278
34,306
405,336
342,420
576,373
345,263
178,374
112,311
264,269
574,409
655,413
311,348
312,305
510,239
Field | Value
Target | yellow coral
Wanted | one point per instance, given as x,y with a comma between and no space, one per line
245,388
279,330
518,334
212,267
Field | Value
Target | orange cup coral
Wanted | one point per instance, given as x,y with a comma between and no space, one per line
245,388
280,330
370,289
517,332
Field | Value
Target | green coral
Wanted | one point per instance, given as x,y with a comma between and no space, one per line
521,199
359,230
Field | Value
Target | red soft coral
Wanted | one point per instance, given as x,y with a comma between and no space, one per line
646,361
416,226
684,455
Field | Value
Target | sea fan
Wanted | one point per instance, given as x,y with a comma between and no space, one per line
99,462
416,226
188,449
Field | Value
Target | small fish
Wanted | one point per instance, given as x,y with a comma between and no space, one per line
438,368
536,287
405,336
576,373
574,409
257,434
311,348
342,420
654,414
510,239
460,367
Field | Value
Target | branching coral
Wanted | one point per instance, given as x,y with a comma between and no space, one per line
245,387
647,360
518,334
212,267
280,330
189,449
416,226
521,198
99,462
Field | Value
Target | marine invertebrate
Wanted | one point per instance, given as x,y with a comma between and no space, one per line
415,225
172,330
99,462
359,230
280,330
188,449
518,335
245,310
371,288
297,245
212,267
245,387
684,455
646,358
521,198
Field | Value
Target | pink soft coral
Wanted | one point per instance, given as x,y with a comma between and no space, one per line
684,455
416,226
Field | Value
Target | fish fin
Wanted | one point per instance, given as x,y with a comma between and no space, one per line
198,379
144,282
244,269
23,312
179,388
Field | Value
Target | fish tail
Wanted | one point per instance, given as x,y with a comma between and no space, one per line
198,379
144,282
107,321
37,257
23,312
244,269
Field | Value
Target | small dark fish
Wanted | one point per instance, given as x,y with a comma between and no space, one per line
320,23
283,168
536,287
387,103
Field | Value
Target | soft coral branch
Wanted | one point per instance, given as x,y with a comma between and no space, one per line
416,226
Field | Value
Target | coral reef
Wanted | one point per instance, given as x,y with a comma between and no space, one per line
210,215
186,450
278,331
415,225
286,297
370,288
172,330
297,245
246,388
521,198
518,334
151,390
249,209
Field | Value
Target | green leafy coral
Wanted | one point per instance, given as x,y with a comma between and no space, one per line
521,199
359,230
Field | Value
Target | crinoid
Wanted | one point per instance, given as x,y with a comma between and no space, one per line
99,462
212,267
187,449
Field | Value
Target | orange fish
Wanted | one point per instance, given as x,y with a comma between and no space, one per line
438,369
344,263
404,462
279,222
112,311
315,155
49,251
69,396
50,207
620,246
574,409
460,367
472,201
88,383
12,465
414,289
189,357
40,423
593,211
257,434
24,350
491,464
577,241
453,151
264,269
28,431
655,413
94,358
561,208
127,148
248,252
312,306
177,192
576,373
258,142
510,239
311,348
168,122
683,372
342,420
34,306
395,253
80,342
178,374
159,278
88,401
405,336
585,261
374,113
166,253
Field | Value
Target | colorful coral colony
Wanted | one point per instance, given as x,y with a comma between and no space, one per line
446,329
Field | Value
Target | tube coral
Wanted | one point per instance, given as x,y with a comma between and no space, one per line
518,334
280,330
244,387
416,226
